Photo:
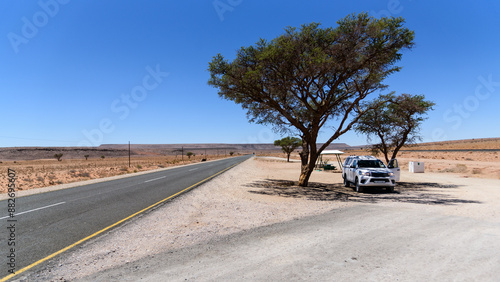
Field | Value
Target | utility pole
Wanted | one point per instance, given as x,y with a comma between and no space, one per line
182,154
128,153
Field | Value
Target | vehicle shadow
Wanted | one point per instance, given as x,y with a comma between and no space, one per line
408,192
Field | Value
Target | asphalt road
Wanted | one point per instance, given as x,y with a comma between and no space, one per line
48,222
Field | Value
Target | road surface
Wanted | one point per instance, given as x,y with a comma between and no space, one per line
49,222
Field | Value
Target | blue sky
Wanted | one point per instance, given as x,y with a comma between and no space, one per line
99,72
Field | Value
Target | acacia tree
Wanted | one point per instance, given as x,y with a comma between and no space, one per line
314,77
394,124
58,156
288,144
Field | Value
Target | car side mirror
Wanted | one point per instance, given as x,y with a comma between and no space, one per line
393,164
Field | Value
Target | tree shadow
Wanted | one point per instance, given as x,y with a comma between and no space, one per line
406,192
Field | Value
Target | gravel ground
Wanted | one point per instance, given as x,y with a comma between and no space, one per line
252,223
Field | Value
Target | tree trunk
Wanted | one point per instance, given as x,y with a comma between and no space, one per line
305,174
304,161
401,144
288,157
308,160
386,156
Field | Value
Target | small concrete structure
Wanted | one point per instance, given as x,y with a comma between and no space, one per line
416,167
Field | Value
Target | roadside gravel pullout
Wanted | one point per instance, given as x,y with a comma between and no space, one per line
251,223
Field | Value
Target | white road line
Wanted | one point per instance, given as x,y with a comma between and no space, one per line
154,179
194,169
37,209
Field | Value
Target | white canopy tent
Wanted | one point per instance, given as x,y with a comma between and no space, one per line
337,153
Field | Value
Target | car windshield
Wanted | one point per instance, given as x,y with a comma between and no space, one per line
371,163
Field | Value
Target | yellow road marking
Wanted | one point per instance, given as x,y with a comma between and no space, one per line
109,227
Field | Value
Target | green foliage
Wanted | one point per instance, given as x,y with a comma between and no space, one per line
189,154
394,124
86,157
231,153
304,79
288,145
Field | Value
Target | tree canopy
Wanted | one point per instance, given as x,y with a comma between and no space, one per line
311,77
58,156
288,144
394,124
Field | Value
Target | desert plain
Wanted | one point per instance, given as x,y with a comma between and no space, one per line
254,223
467,158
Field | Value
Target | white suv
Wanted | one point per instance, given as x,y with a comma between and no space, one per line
365,171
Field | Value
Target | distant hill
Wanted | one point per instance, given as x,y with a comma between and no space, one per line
479,144
37,153
465,144
121,150
209,146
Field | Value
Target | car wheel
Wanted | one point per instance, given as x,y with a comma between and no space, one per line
358,188
390,189
346,183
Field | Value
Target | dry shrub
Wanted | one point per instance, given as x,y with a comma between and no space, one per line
477,171
459,168
83,174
